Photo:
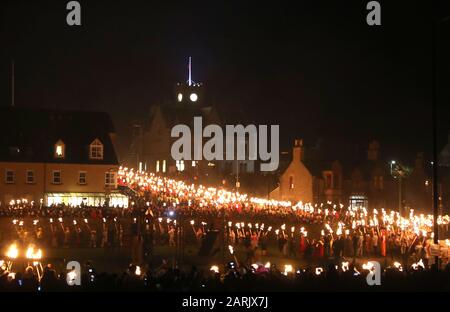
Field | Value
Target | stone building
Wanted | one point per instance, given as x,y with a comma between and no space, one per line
151,143
58,156
314,175
296,182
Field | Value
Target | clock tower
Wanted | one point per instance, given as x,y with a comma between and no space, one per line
191,92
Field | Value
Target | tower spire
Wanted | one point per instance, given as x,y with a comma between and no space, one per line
190,72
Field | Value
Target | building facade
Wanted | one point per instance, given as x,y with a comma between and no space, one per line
365,181
58,157
296,182
152,141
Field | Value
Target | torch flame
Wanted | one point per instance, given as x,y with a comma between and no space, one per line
32,254
287,269
12,252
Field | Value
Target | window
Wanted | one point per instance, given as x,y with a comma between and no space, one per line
29,177
164,166
9,176
82,177
291,182
194,163
110,179
60,149
337,181
96,150
157,166
180,165
378,182
56,177
328,181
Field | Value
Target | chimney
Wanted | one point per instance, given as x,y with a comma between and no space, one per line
297,151
372,152
419,161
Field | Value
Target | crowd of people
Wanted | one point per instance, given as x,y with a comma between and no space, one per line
231,277
337,231
60,226
165,211
295,236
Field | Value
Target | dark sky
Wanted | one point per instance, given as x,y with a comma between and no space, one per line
314,67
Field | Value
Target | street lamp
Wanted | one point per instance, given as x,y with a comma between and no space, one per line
392,164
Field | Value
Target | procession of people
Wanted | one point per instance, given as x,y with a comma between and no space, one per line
168,212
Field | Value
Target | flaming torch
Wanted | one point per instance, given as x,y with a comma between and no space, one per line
231,249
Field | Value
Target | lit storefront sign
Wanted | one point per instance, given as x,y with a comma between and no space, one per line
88,199
358,201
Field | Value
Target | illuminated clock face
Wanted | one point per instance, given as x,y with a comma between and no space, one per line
193,97
180,97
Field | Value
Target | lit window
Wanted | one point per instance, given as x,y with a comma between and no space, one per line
291,182
157,166
110,179
9,176
180,165
82,177
56,177
96,150
29,176
164,166
193,163
60,149
180,97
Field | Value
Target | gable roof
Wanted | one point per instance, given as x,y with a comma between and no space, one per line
30,135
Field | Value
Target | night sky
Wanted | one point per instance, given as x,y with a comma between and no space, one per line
316,68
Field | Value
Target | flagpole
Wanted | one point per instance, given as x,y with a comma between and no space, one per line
12,83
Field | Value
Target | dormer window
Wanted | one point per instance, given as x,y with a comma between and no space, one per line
96,150
60,149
